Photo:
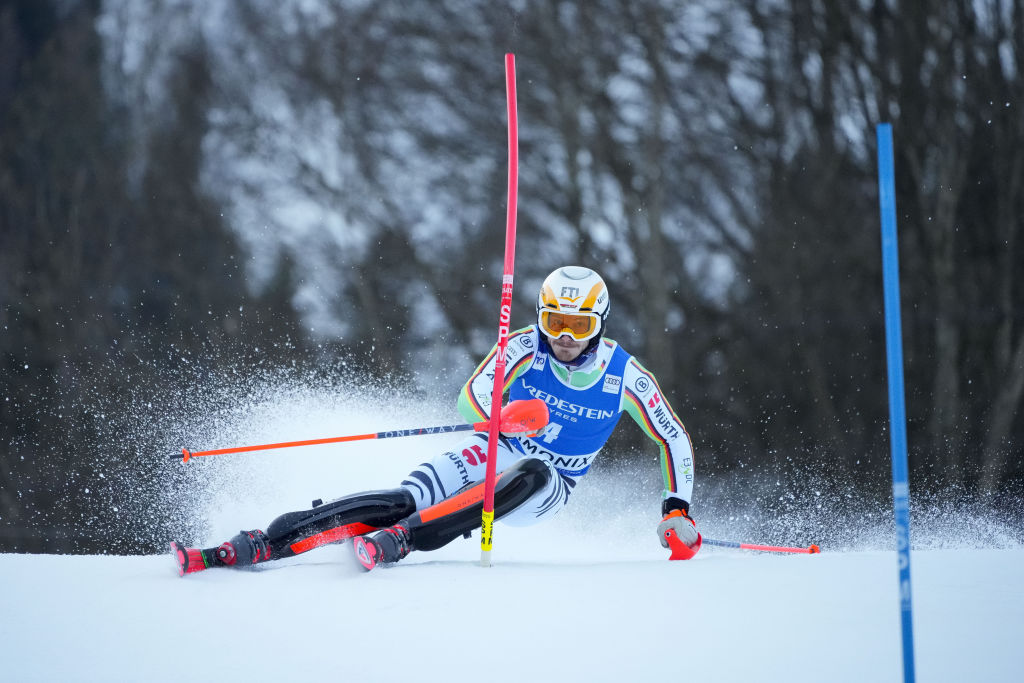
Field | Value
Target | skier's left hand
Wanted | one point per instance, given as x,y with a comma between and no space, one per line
682,524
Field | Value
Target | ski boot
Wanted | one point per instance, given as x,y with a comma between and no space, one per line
385,547
243,550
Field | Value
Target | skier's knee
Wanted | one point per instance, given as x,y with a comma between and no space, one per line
460,513
519,483
530,466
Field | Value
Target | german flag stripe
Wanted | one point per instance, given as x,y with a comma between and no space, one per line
668,469
471,397
510,375
468,389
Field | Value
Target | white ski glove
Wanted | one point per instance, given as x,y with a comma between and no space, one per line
683,526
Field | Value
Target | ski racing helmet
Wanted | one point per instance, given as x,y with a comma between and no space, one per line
573,300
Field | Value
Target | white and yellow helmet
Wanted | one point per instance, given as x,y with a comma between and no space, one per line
573,300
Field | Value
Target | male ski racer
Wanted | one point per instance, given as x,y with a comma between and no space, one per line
585,379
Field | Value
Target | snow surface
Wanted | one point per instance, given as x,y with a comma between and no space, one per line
588,596
542,612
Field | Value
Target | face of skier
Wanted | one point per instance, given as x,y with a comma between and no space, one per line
567,349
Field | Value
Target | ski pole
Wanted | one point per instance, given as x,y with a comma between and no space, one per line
529,416
811,550
681,551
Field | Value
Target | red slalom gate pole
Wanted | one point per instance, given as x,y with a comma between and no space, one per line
505,312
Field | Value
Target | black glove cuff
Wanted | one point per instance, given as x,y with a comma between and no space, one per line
670,504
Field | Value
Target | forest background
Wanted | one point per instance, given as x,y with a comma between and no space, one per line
193,193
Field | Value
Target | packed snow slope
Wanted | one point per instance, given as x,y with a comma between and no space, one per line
589,596
548,610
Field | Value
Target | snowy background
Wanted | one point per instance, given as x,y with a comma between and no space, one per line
589,596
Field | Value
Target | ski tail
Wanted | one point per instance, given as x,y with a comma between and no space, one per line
365,553
188,560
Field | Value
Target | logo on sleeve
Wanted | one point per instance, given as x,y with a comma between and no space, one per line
643,385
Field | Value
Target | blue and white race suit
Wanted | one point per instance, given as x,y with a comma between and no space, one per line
584,402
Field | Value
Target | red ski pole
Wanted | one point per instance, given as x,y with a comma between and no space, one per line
810,550
505,312
518,416
681,551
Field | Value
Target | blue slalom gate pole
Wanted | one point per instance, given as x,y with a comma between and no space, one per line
897,409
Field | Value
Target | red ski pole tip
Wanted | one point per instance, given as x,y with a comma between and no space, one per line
814,550
185,455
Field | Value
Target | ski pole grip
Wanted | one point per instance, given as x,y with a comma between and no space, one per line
185,456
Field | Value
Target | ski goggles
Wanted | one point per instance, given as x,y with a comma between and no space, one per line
580,326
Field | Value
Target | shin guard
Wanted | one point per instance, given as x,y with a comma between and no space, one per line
439,524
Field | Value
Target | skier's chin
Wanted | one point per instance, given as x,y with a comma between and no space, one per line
566,351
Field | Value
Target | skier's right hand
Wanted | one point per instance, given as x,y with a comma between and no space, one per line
517,435
528,423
